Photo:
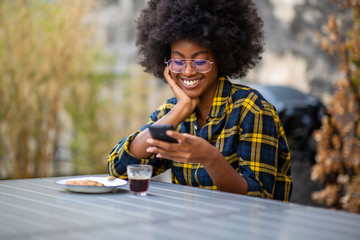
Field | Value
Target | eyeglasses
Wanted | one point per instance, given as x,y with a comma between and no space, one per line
178,65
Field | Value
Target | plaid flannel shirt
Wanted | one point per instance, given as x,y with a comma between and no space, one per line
243,126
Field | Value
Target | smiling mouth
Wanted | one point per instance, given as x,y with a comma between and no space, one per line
191,82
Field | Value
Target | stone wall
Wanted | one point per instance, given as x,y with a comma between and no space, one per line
293,56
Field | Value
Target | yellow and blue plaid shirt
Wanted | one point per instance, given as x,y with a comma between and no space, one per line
243,126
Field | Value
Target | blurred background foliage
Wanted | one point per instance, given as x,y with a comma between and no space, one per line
57,111
338,152
47,65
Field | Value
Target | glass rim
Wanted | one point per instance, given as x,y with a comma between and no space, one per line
139,165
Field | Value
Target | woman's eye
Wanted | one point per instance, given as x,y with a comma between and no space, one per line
178,62
200,62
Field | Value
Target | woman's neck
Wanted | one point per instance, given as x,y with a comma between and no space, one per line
201,115
204,106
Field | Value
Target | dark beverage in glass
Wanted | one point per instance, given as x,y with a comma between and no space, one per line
139,185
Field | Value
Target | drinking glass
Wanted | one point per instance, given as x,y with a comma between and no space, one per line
139,178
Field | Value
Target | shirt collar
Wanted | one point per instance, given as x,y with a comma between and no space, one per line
221,95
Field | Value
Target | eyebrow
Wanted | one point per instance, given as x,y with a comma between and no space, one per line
192,56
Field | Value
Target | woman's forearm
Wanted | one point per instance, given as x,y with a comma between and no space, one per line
224,176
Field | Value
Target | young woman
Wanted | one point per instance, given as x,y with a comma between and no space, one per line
229,137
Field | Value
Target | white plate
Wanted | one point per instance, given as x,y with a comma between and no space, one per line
109,185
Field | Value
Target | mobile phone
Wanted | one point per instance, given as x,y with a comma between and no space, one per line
159,132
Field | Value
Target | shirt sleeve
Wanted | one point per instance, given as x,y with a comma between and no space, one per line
120,155
264,155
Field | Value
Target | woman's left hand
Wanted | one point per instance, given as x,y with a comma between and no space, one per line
189,149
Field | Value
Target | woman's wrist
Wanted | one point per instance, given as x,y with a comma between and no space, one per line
214,158
179,113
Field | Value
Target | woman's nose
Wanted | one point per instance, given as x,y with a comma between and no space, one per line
189,69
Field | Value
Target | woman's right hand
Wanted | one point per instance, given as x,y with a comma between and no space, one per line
187,104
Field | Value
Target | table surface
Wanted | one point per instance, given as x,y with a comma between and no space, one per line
42,209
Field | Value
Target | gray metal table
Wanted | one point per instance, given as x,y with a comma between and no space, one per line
41,209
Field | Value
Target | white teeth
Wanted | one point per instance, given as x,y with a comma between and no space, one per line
191,82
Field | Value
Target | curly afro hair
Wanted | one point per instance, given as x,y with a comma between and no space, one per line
231,28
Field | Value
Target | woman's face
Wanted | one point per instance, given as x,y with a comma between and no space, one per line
192,82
